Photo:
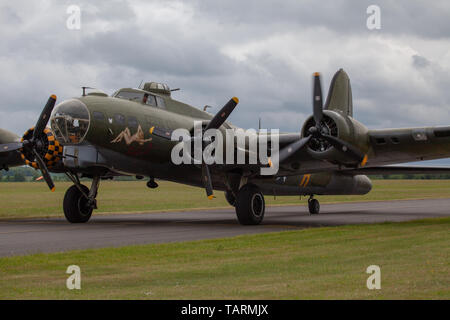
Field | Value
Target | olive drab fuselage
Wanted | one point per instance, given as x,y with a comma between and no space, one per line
114,133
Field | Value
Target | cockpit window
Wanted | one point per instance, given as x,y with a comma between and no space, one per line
149,99
161,103
130,95
142,97
70,121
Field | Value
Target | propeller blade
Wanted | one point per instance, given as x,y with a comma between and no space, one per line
162,133
206,178
290,149
7,147
346,148
223,114
44,117
44,171
317,99
215,123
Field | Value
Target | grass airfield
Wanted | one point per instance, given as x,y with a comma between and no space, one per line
25,199
315,263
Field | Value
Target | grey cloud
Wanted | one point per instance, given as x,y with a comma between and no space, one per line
419,61
416,17
262,51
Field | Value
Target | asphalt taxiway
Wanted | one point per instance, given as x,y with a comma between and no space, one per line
25,236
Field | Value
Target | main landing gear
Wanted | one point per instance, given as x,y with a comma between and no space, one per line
79,200
250,205
313,205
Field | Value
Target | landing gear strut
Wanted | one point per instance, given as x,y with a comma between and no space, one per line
250,205
313,205
231,199
79,200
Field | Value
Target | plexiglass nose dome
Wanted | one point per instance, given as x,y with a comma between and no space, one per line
70,121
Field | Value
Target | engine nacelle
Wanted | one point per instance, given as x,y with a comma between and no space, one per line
47,146
340,126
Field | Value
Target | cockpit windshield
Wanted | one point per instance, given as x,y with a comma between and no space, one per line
130,95
70,121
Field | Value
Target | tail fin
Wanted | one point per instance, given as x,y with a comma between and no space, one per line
340,94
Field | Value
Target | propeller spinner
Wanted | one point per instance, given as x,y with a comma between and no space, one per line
319,131
215,123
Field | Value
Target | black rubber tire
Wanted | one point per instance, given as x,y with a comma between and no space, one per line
75,205
250,205
231,199
313,206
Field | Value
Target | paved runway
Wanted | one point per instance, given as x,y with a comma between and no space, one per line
18,237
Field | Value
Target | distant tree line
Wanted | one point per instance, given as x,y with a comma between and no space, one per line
412,176
27,174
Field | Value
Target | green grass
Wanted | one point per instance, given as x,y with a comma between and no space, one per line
34,199
321,263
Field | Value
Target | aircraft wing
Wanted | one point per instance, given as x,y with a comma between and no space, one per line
386,147
9,158
401,170
393,146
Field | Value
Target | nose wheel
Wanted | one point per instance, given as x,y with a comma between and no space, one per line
80,201
313,205
76,205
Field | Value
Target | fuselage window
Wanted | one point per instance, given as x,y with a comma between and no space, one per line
120,119
99,116
132,122
395,140
160,102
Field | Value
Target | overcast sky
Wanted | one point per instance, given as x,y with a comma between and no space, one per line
263,52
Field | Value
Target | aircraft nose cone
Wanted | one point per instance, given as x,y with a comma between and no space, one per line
70,121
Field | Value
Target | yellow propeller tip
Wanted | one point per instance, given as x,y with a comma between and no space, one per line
235,99
270,162
211,197
364,161
151,130
316,74
53,96
53,189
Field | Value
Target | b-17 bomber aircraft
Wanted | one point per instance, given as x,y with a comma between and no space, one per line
100,137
